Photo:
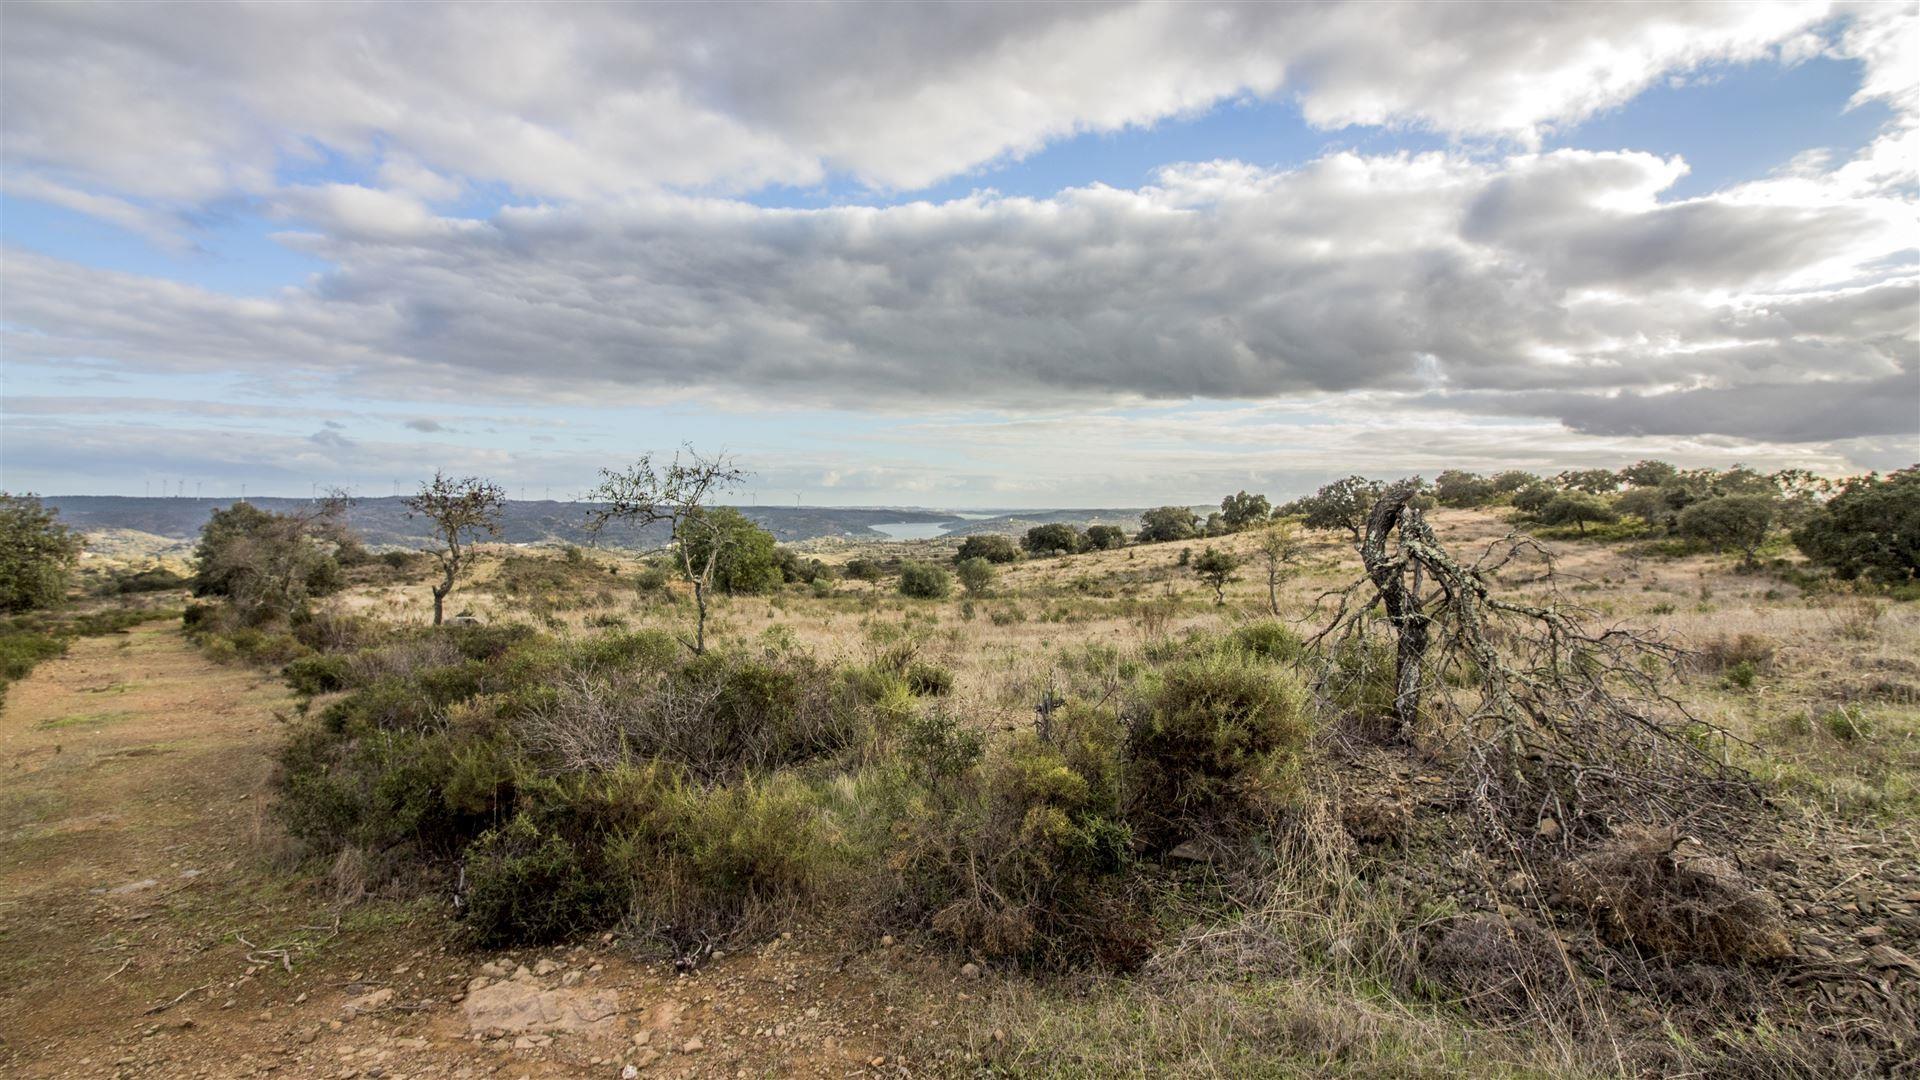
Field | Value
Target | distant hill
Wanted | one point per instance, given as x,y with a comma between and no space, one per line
384,523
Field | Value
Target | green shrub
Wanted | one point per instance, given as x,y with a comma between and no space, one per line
321,674
37,554
925,581
976,576
1025,855
993,547
1216,740
529,885
151,579
1270,641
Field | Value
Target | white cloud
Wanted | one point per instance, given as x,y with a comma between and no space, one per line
189,104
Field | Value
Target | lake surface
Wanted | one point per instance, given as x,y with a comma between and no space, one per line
912,530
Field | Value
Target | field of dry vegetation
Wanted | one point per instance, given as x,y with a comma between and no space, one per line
1085,821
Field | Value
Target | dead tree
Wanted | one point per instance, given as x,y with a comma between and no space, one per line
678,494
460,510
1555,720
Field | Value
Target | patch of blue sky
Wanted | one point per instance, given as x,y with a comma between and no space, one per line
230,249
1739,122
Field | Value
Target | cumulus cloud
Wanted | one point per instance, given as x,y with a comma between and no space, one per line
191,103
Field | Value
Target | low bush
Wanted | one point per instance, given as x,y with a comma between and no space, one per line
1024,856
1269,641
321,674
925,581
1215,742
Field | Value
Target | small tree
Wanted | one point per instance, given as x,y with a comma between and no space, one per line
1216,568
1591,481
1280,548
749,560
993,547
1106,537
1053,539
460,511
1168,523
976,576
924,581
37,554
1459,488
1576,508
1740,522
1871,528
267,565
1342,505
1647,474
678,495
1242,511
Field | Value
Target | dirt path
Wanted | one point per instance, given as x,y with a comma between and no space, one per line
146,930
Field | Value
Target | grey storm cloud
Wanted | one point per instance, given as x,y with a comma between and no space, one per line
1402,273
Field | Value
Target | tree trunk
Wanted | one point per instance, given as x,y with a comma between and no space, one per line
1402,605
439,597
700,621
1273,592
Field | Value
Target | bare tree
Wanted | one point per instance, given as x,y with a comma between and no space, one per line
1556,720
678,493
1279,545
460,511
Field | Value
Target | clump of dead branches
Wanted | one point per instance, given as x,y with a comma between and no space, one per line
1560,723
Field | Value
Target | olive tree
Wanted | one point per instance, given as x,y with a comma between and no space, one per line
993,547
37,554
1168,523
459,511
1871,528
1240,511
749,559
1739,522
678,494
1053,539
1577,509
1341,505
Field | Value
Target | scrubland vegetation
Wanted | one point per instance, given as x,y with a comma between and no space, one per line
1369,784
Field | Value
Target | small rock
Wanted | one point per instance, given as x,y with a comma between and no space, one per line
886,941
629,1072
970,971
693,1045
571,978
1548,828
368,1002
547,967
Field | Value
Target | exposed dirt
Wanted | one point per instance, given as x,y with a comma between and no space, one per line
146,930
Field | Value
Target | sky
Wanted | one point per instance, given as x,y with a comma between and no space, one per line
971,255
